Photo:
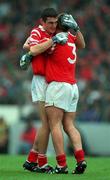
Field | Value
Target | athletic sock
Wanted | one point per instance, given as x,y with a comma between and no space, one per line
42,160
61,160
33,156
79,155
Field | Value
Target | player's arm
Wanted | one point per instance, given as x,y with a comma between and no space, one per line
32,51
42,47
26,45
80,42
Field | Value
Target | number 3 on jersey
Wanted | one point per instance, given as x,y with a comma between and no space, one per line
72,61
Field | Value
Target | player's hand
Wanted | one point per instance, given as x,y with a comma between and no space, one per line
60,38
25,61
69,21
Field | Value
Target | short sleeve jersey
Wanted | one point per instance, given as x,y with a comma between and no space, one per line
61,64
38,35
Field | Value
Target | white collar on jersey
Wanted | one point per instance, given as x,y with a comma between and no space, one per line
41,27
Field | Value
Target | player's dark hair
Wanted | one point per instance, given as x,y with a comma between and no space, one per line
48,12
60,21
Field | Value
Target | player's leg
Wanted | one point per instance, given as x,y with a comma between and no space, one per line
58,96
44,130
32,158
74,135
38,152
41,140
55,116
43,135
72,131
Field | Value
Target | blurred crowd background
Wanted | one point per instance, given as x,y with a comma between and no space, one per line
17,18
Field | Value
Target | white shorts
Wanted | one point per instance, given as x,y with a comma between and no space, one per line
62,95
38,88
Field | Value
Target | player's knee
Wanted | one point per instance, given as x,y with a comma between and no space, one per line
45,127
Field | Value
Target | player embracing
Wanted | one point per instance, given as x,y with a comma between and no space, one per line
40,39
62,95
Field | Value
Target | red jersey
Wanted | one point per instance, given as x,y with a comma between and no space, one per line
38,35
61,64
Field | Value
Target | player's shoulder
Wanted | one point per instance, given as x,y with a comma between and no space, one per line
39,30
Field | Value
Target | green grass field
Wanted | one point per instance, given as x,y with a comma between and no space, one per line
11,169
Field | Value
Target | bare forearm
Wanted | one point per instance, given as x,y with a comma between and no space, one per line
80,42
26,45
40,48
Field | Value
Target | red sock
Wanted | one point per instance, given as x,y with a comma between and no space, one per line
61,160
33,156
42,160
79,155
